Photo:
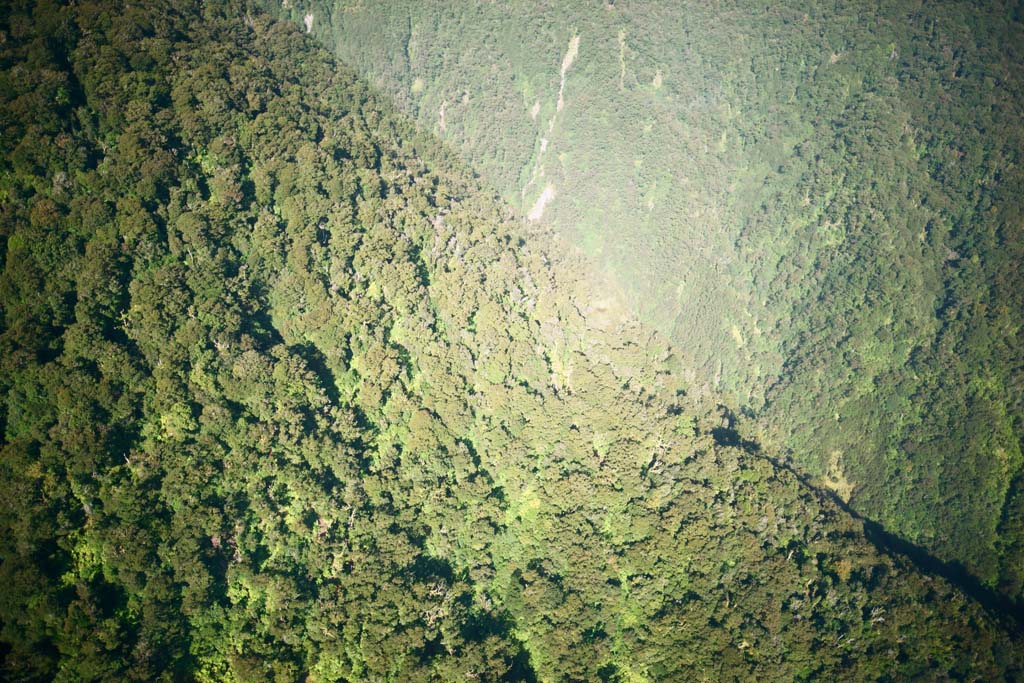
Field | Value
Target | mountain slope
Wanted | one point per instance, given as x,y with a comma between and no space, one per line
288,397
819,205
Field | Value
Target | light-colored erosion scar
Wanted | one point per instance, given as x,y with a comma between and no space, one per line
440,117
538,170
542,201
535,110
308,19
622,60
567,60
570,54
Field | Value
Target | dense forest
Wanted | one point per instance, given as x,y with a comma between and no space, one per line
818,203
289,393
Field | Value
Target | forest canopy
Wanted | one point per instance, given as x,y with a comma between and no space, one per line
288,393
818,204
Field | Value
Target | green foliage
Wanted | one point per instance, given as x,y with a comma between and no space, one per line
818,204
288,397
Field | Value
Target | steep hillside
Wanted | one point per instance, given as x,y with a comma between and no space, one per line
818,203
287,397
